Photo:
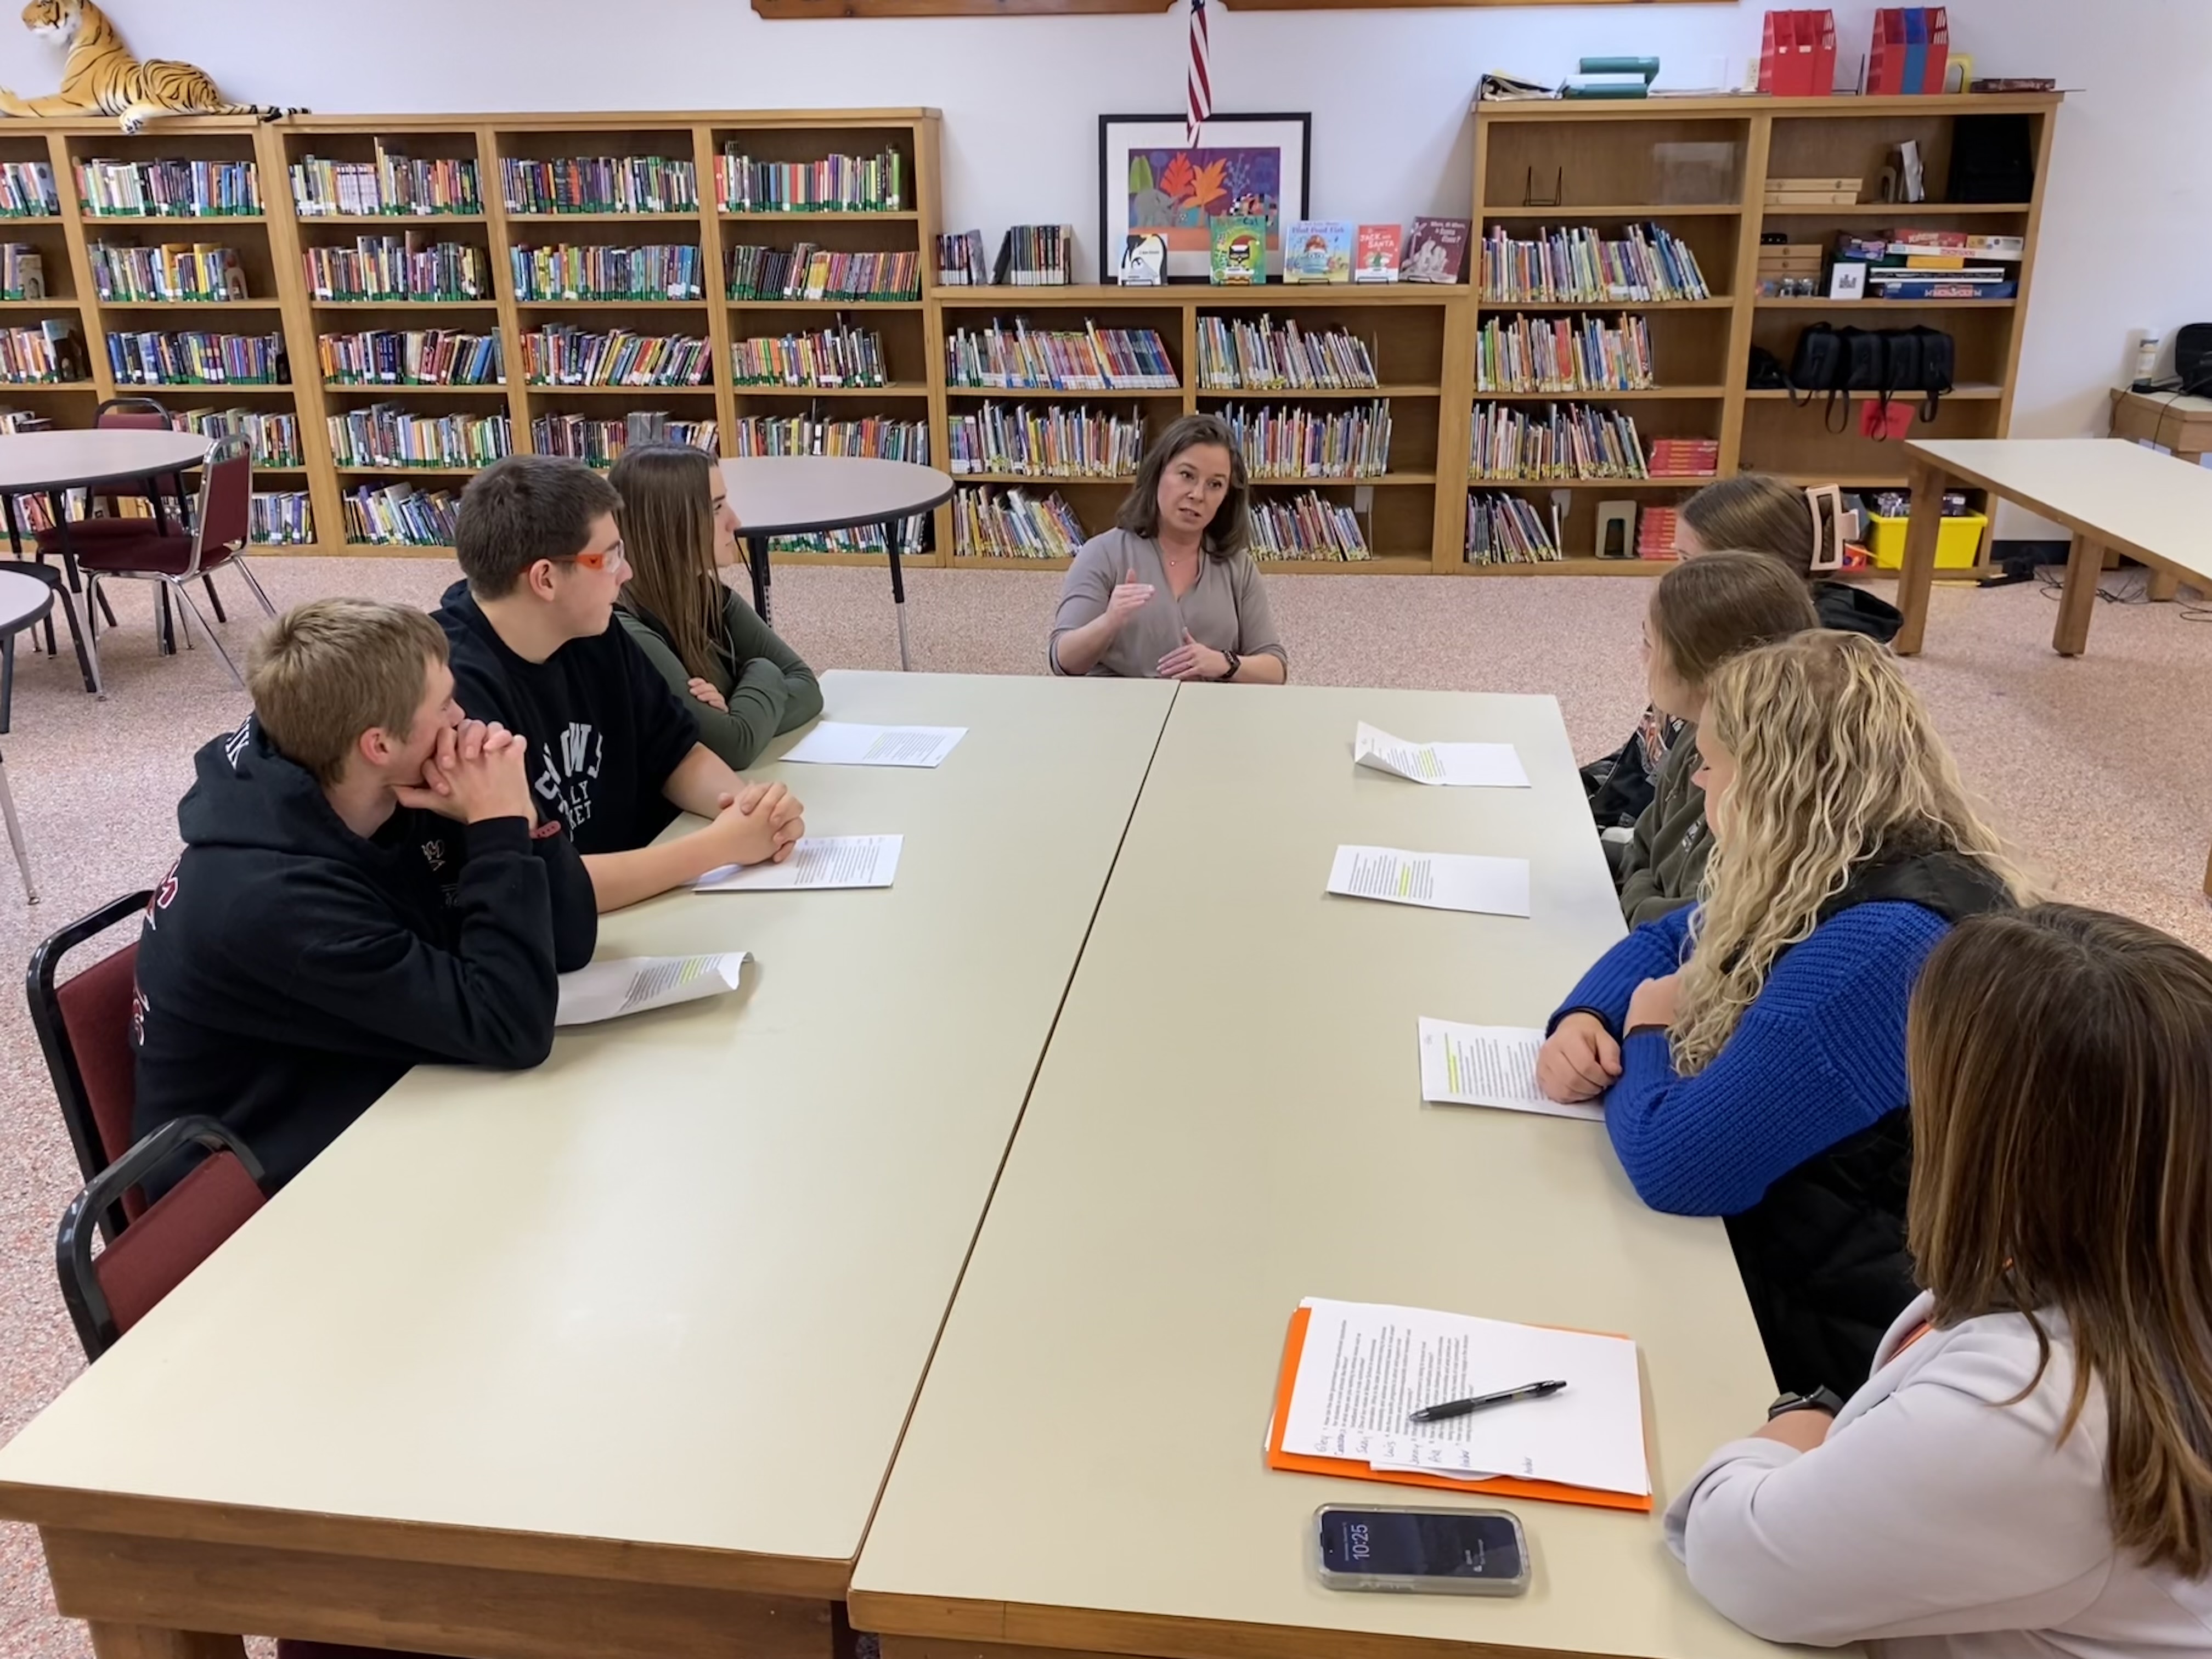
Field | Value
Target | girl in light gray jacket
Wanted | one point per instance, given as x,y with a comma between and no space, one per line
2028,1473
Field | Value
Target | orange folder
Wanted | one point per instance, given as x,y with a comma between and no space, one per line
1350,1468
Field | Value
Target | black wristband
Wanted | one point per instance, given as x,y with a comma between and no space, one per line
1820,1399
1234,663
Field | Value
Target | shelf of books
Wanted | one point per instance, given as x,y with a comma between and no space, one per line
1647,272
387,304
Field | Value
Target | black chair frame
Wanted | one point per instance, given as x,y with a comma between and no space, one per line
38,986
88,1302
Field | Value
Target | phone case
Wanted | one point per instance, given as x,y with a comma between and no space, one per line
1402,1583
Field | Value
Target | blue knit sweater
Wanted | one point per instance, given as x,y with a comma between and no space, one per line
1818,1057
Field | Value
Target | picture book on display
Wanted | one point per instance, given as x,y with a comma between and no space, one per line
1436,251
1375,259
1317,250
1240,248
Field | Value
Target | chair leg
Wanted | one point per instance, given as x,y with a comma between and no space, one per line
87,660
238,562
15,837
7,681
213,597
184,599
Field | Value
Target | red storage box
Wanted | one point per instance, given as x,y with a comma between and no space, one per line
1797,54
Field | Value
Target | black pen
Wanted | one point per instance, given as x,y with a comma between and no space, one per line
1461,1408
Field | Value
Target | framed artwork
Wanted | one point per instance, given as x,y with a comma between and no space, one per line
1150,179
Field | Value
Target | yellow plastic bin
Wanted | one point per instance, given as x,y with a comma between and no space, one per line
1958,544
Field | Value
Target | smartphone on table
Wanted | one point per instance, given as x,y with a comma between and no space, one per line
1440,1552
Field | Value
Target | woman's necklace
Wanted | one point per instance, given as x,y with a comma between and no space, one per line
1175,564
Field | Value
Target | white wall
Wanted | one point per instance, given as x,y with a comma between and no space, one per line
2127,236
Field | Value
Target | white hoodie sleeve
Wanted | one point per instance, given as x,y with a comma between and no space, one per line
1937,1510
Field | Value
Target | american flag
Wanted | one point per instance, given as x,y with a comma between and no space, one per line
1200,82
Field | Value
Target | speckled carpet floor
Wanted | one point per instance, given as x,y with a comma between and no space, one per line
2100,768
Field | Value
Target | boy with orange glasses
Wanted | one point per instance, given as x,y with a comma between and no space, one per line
614,753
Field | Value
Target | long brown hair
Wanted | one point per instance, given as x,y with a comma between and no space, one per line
1708,608
2061,1061
1230,531
1837,763
667,522
1758,513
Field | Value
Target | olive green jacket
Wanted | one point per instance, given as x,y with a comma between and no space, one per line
769,689
1664,864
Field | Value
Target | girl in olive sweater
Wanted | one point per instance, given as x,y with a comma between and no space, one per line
1702,612
742,683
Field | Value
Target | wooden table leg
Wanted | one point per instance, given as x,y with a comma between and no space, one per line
2085,565
1927,485
2163,584
147,1642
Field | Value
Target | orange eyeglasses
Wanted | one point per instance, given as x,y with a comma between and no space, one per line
613,559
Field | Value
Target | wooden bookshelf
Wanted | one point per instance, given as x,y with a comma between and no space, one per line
1603,157
1699,166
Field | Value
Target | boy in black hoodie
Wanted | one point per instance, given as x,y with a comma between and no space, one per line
360,890
615,754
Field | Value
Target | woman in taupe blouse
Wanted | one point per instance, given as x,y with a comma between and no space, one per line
1171,592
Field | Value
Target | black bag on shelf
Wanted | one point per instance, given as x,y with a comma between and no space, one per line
1767,374
1992,159
1838,361
1917,362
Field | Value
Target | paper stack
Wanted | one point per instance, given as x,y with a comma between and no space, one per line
1354,1373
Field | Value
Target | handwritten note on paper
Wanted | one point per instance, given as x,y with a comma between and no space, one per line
1457,765
1489,1066
629,985
841,743
1436,881
1366,1367
816,861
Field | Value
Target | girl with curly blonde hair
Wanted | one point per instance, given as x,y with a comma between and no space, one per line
1751,1050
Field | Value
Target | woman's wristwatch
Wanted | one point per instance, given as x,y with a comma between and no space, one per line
1820,1399
1234,663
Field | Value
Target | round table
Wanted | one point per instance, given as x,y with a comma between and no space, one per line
799,494
24,602
85,459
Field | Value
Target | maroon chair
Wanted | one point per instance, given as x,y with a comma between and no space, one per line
222,525
108,1293
84,1026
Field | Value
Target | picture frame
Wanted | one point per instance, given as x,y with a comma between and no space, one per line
1147,172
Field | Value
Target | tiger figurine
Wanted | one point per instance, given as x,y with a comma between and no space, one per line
101,77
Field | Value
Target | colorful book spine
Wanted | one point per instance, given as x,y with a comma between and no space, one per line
875,437
280,518
651,272
1648,263
827,357
397,269
393,183
1557,354
400,515
411,358
1307,526
1012,524
194,358
562,353
600,442
32,355
26,191
835,184
1093,359
168,190
274,437
600,184
808,272
1507,530
196,272
1543,443
390,435
1290,442
1253,354
1048,441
